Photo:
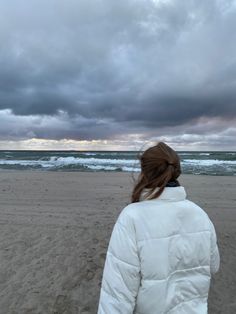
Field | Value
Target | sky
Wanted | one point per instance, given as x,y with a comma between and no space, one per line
117,75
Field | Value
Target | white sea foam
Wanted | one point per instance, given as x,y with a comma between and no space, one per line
91,161
130,169
193,153
124,168
90,154
209,162
94,167
204,154
32,163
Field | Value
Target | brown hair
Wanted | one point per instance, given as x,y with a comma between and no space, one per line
160,164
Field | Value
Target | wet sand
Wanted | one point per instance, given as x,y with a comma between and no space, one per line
55,228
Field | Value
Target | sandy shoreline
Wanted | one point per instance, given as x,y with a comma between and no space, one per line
55,227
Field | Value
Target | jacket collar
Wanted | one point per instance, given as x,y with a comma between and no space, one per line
177,193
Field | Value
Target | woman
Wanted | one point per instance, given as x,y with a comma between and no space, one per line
163,248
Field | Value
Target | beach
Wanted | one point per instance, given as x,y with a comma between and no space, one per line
55,228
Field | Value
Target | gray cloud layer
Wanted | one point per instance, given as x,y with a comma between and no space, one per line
114,67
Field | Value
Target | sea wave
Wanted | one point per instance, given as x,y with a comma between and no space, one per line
88,161
60,162
208,162
192,162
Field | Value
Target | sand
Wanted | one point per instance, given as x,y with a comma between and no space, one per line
55,228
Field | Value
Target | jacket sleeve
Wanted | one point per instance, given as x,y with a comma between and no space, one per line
121,274
215,256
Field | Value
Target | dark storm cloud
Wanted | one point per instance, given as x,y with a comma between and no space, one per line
139,65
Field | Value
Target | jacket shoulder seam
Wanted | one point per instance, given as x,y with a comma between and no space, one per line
177,305
109,252
177,271
173,235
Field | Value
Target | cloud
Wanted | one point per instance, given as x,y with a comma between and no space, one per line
58,126
107,69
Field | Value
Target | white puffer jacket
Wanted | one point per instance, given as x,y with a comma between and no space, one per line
160,258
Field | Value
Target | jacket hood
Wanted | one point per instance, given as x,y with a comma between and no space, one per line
177,193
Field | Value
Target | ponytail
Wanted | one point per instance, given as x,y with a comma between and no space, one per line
159,165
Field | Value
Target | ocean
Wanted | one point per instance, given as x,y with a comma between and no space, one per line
207,163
